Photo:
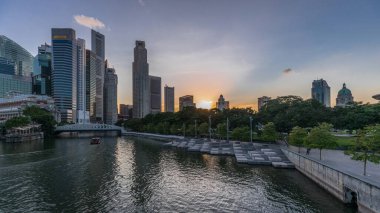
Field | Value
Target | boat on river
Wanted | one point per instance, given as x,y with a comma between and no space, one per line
95,141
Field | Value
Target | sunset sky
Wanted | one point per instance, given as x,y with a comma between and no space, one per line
241,49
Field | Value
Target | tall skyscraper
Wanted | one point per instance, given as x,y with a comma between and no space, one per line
125,111
42,69
262,101
222,104
344,97
320,91
186,101
91,84
16,65
64,74
110,96
82,113
98,47
169,99
155,94
140,82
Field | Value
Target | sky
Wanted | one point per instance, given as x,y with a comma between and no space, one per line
243,49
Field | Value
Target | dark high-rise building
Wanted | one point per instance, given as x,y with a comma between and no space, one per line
155,94
262,101
110,96
42,69
82,114
140,82
16,65
169,99
320,91
186,101
64,74
91,84
98,47
125,111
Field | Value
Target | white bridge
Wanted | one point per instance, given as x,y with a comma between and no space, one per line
89,128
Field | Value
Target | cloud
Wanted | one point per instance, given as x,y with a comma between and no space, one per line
89,22
287,71
141,2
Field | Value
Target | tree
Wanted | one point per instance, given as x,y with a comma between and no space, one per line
43,117
269,132
367,147
297,137
17,122
321,138
203,129
221,130
241,134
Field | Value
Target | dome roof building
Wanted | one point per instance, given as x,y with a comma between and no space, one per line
344,97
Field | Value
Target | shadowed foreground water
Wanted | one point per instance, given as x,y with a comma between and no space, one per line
130,174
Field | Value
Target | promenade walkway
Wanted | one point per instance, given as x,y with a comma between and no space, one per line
337,159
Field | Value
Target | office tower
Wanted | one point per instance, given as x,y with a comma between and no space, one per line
98,47
91,84
320,91
140,82
262,101
64,74
82,113
42,69
125,111
222,104
16,65
186,101
169,99
12,55
344,97
155,94
110,96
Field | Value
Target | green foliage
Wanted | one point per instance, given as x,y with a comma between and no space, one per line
297,137
221,130
241,134
269,132
203,129
43,117
135,124
321,138
367,147
17,122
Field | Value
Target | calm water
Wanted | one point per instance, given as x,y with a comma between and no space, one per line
138,175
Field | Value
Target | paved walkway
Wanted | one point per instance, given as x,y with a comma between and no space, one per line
337,159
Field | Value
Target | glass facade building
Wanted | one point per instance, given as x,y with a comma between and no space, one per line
91,84
320,91
42,69
64,74
16,56
16,65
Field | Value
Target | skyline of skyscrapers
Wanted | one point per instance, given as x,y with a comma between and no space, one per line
140,82
169,99
320,91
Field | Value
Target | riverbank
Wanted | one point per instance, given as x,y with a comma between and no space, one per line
340,176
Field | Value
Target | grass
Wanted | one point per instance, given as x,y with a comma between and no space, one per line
345,142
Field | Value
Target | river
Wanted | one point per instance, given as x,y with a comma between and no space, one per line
139,175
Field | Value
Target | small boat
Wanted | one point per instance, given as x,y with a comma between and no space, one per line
95,141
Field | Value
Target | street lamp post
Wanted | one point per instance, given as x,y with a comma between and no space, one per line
209,126
250,125
228,138
195,128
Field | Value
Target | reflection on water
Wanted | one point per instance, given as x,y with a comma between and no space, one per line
132,174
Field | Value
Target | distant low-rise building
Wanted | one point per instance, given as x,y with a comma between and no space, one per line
222,104
344,97
125,111
14,104
262,101
186,101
